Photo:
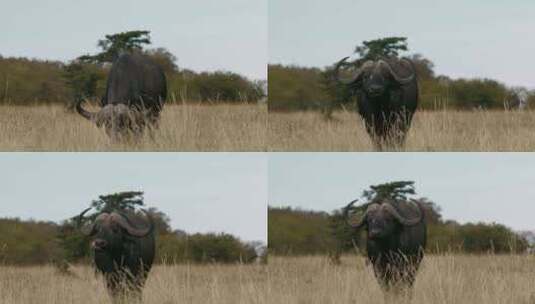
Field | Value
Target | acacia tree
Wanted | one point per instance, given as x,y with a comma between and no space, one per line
382,47
112,45
396,191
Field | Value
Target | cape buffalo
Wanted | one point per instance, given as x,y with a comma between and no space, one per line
135,93
387,97
396,239
123,248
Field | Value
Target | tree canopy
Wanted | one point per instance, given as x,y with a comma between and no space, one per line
382,47
127,201
397,190
112,45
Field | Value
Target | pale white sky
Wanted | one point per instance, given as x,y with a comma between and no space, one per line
205,35
476,38
201,192
470,187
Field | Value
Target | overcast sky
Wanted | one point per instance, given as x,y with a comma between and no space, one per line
477,38
205,35
201,192
469,187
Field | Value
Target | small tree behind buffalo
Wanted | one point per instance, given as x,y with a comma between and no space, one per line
115,44
382,47
127,201
395,191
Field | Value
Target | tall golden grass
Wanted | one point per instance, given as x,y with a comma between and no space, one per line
431,131
455,279
186,127
203,284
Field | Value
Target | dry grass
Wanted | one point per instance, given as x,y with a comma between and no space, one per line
183,128
431,131
452,279
208,284
304,280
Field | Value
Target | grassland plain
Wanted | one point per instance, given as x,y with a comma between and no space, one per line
455,279
203,284
442,130
184,127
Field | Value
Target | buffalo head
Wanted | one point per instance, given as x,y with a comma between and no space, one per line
382,220
374,77
118,120
110,234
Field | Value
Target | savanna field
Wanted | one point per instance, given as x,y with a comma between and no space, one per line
184,127
444,130
210,284
248,127
447,279
455,279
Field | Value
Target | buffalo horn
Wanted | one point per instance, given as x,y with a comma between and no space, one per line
86,114
123,221
360,222
402,80
403,220
353,78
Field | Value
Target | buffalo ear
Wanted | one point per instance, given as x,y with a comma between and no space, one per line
357,75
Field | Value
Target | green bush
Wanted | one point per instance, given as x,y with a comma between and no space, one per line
298,232
27,242
29,82
34,243
474,238
293,88
203,248
214,87
221,248
24,81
